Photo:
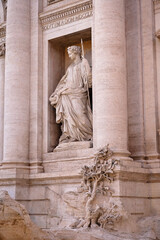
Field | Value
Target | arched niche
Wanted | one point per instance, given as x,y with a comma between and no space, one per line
58,62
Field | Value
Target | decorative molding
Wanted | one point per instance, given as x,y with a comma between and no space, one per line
2,39
2,49
2,32
66,16
158,34
94,196
156,6
4,3
156,1
53,1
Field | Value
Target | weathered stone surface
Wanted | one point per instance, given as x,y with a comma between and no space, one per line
152,233
15,223
92,204
122,46
71,99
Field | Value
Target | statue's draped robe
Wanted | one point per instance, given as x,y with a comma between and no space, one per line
72,103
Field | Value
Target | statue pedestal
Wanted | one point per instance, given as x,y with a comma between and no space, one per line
73,145
68,156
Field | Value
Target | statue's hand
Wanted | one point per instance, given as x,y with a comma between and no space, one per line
53,99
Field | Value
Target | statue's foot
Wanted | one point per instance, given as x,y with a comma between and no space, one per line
67,140
63,140
72,140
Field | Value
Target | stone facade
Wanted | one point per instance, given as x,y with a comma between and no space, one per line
122,45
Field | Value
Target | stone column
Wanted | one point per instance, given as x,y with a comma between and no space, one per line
157,30
35,147
135,80
109,75
2,71
17,76
149,79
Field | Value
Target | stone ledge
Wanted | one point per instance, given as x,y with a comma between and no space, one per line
73,154
73,146
125,170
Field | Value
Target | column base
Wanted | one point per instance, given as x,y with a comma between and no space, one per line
36,167
15,167
152,156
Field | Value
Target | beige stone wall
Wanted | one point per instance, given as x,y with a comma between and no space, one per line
142,80
157,48
135,80
2,79
121,46
149,78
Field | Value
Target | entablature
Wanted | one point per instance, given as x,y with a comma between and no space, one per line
53,19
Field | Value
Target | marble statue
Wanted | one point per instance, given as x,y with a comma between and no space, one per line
71,99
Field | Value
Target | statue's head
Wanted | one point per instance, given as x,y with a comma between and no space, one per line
73,51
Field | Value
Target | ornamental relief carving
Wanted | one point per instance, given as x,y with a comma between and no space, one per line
158,34
66,16
156,4
92,203
53,1
4,4
2,40
2,32
2,49
156,1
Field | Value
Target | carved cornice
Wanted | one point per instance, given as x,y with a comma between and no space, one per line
4,3
53,1
2,39
2,49
156,1
156,6
66,16
2,32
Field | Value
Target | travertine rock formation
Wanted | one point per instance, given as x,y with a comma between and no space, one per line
121,41
15,223
92,201
152,233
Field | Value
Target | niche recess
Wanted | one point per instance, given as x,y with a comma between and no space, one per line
58,63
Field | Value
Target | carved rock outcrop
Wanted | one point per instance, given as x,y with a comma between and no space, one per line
94,194
15,223
149,229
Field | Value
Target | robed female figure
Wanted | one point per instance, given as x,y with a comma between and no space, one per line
71,100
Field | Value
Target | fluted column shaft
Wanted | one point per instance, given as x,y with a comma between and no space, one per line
17,75
109,75
149,79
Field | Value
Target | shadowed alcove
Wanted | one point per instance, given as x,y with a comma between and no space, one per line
58,64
